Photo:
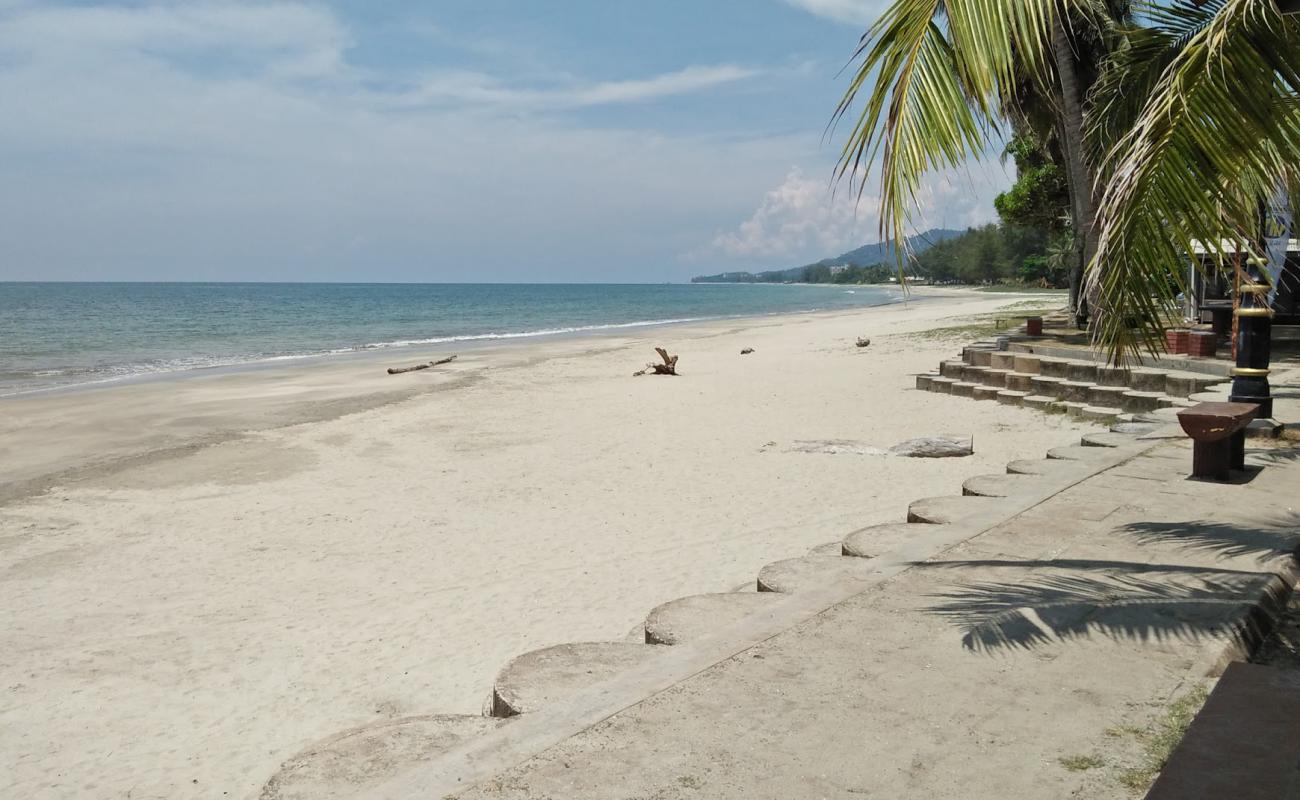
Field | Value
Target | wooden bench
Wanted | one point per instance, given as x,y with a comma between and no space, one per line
1243,745
1218,431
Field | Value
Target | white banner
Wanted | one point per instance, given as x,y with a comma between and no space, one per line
1279,221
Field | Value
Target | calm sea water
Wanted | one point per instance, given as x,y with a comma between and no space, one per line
61,334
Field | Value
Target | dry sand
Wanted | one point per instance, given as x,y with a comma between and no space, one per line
203,576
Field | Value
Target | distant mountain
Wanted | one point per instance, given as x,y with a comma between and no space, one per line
865,256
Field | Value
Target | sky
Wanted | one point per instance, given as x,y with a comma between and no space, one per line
447,140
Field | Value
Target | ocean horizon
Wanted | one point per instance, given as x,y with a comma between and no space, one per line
69,334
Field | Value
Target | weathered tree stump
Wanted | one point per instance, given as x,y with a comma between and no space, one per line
668,367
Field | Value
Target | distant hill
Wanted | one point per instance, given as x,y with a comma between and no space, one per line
865,256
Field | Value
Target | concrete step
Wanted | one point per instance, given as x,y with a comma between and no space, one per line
1073,407
973,374
1003,485
1047,386
1003,361
952,369
978,356
1208,397
1139,401
963,389
1076,452
362,759
810,572
1106,415
1182,384
1046,467
1133,427
1110,396
1026,363
542,677
1008,397
689,618
1107,439
1147,379
1081,371
943,510
1020,381
1112,376
924,382
876,539
1075,391
828,549
1041,402
985,392
996,377
942,385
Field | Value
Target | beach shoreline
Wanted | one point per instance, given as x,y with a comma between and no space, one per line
207,575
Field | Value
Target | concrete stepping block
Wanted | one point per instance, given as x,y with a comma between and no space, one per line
1040,466
1073,407
876,539
1003,485
1003,361
689,618
1020,381
1054,368
1133,427
1112,376
985,392
834,548
359,760
924,382
1040,402
973,374
1026,363
1182,384
542,677
1007,397
942,385
1137,401
1075,391
1207,397
1106,415
1075,452
979,356
1146,379
1046,385
795,575
963,389
1159,415
1081,372
948,509
952,369
1107,439
1109,396
996,378
1179,402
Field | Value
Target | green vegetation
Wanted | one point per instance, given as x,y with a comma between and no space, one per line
1081,763
1159,739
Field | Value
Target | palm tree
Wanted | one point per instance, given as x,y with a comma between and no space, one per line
949,76
1192,119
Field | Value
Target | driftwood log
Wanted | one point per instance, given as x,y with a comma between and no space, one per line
400,370
747,351
668,367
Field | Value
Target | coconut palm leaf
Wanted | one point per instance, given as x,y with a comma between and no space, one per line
1217,132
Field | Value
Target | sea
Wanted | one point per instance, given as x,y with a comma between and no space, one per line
59,335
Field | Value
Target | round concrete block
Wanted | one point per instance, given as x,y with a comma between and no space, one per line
942,385
1138,402
1182,384
980,356
973,374
1008,397
1075,391
944,510
1159,415
1108,439
1053,367
1026,363
1108,396
1003,361
1003,485
1047,386
963,389
810,572
1112,376
996,378
1039,466
1208,397
1073,407
985,392
1075,452
357,761
1133,427
923,382
952,369
1040,402
535,680
871,542
689,618
1106,415
835,548
1144,379
1081,372
1180,402
1020,381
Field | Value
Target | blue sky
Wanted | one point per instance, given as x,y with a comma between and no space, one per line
457,140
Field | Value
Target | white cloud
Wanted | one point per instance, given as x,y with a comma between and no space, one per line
850,12
804,218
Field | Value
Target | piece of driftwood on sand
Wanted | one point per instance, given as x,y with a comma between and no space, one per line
400,370
668,367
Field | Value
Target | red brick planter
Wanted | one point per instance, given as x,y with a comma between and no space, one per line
1203,344
1177,340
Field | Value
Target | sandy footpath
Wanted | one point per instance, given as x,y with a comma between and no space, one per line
200,577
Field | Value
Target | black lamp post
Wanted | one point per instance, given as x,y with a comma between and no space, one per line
1254,341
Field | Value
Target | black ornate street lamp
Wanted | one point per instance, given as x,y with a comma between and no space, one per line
1254,341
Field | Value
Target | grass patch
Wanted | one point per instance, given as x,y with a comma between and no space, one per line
1081,763
1159,739
983,325
1014,288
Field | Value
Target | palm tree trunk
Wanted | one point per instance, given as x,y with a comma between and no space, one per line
1077,172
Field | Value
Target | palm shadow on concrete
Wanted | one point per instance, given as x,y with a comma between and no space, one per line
1064,600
